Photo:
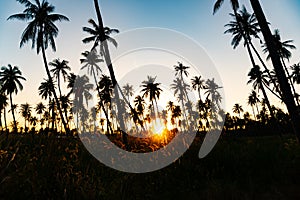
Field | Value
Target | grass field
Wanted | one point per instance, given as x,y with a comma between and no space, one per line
237,168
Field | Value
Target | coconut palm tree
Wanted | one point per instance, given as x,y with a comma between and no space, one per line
139,103
105,51
284,53
252,101
237,108
285,88
151,90
25,110
46,92
295,73
96,35
198,84
128,90
60,68
40,109
11,77
259,81
42,31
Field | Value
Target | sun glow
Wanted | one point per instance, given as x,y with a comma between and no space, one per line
158,127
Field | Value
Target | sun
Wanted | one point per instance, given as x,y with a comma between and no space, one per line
158,127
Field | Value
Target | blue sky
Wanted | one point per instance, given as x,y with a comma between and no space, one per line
193,18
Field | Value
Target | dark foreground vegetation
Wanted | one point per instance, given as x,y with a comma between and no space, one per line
239,167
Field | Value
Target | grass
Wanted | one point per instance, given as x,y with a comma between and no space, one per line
237,168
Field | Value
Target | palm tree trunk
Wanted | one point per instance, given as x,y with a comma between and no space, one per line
283,82
290,80
53,90
13,112
4,116
111,72
253,112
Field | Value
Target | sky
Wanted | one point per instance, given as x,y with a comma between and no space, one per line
193,18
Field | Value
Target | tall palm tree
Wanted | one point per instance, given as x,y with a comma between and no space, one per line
245,27
128,90
105,50
284,53
151,90
252,101
259,81
25,111
237,108
198,84
285,88
139,103
60,68
46,92
42,31
11,82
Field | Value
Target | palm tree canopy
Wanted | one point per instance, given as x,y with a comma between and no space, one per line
25,110
151,89
237,108
181,69
257,77
90,61
218,4
282,47
296,73
11,77
128,89
60,67
45,89
243,25
41,28
40,108
96,32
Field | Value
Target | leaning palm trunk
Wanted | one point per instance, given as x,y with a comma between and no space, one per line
111,72
53,90
290,80
283,82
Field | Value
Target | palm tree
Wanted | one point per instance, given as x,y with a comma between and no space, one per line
11,77
42,31
39,109
284,53
198,84
71,81
245,27
96,35
285,88
128,90
139,103
26,113
295,73
237,108
252,101
105,50
180,89
60,68
151,90
259,81
46,92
